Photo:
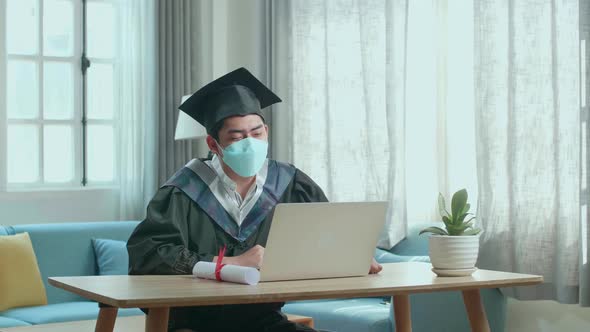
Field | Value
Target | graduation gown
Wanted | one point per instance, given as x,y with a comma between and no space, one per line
185,223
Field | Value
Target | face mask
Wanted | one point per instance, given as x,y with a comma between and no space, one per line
246,156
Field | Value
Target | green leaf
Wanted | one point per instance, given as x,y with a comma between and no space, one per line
460,229
470,219
466,208
447,221
468,224
442,208
453,219
461,218
473,231
456,230
434,230
453,231
458,202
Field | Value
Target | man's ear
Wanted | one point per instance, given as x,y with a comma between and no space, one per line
212,144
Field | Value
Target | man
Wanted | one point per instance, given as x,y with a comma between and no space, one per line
226,201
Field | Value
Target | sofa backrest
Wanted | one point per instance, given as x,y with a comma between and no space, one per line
65,249
414,244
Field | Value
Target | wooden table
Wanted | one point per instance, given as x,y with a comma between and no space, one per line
159,293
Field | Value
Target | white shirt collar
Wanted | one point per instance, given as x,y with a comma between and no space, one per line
224,190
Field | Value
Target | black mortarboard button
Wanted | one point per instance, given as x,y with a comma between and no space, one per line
235,93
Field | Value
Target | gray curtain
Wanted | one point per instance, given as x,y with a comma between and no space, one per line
184,65
584,109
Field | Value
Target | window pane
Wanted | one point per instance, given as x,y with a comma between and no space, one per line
100,91
58,153
22,90
58,93
100,153
100,28
23,153
22,22
58,28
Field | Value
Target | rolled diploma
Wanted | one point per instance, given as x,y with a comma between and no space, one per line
231,273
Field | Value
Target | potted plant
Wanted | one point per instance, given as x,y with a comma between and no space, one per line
453,250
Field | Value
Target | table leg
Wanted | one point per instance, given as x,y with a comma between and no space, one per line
106,319
157,320
402,314
475,311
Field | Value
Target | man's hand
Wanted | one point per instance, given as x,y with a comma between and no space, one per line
375,267
252,258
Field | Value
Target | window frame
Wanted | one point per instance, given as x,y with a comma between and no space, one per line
79,122
114,122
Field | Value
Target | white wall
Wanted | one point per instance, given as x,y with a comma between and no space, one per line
58,206
239,36
246,36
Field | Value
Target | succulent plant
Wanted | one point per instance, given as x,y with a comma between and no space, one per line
455,222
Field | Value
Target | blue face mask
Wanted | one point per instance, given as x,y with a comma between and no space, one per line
246,156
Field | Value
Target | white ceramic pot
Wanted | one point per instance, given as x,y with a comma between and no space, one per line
453,252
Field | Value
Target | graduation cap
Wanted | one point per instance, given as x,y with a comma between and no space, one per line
236,93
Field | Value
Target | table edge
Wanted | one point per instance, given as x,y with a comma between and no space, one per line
316,295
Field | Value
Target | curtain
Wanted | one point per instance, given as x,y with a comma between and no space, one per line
369,108
184,65
528,120
165,53
399,100
585,138
328,66
585,108
137,102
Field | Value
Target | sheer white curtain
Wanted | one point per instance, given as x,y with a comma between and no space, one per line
370,110
528,143
329,67
390,100
138,131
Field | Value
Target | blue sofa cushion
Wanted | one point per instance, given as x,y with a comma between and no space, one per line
383,256
74,259
61,312
414,244
10,322
111,256
345,315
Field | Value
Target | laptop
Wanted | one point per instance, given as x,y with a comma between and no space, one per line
322,240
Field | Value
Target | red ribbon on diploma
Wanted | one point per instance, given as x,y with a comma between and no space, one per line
218,265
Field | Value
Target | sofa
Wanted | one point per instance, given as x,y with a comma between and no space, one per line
68,249
64,249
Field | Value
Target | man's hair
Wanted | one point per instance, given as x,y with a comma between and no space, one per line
214,132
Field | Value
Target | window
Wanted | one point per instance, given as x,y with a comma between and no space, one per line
60,109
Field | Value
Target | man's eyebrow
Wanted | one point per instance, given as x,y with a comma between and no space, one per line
238,131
